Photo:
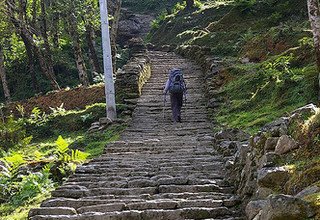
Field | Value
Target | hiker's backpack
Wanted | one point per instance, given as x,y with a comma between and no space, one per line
176,81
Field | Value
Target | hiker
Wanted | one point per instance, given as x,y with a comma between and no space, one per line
176,86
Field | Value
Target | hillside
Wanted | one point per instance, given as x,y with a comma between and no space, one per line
266,52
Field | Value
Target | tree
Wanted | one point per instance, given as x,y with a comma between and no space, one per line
314,17
90,19
4,77
73,30
17,15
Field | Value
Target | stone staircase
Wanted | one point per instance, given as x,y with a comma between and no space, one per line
157,170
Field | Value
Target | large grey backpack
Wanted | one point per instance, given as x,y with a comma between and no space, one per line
176,81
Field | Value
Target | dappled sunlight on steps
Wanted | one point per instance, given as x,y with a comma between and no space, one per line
157,170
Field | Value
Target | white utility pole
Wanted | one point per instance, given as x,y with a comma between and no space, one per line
107,62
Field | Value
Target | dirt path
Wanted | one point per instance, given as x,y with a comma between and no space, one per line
157,170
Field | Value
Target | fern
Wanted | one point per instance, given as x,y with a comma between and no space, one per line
62,145
15,160
78,156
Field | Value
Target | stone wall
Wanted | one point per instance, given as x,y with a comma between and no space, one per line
132,77
254,166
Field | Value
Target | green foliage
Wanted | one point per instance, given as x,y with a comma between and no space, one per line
155,24
13,134
95,143
61,121
32,185
18,188
75,156
265,92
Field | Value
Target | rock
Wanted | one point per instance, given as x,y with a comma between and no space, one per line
52,211
278,127
258,216
241,154
308,191
268,160
263,192
231,135
285,207
213,103
105,121
229,164
233,201
273,177
259,140
228,148
285,144
254,207
306,111
271,143
245,60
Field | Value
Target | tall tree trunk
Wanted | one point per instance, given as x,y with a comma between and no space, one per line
55,25
4,77
190,4
31,64
22,30
44,32
92,50
81,66
314,17
114,32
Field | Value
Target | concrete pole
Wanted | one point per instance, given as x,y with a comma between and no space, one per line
107,62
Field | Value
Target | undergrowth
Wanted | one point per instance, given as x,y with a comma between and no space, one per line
32,167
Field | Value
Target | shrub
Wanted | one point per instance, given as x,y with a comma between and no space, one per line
13,134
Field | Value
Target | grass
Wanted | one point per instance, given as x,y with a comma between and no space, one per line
258,96
9,212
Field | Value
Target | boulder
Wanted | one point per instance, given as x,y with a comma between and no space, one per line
263,192
308,191
273,177
306,111
283,207
231,134
278,127
270,144
105,121
254,207
285,144
228,148
268,160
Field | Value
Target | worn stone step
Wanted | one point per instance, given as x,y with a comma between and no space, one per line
158,169
178,214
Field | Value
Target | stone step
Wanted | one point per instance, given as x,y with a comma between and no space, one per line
158,169
77,192
160,214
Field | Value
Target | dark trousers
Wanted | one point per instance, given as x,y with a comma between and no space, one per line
176,100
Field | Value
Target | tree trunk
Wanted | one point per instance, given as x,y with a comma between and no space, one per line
114,32
55,25
22,30
92,50
31,64
81,66
190,4
314,17
4,77
44,32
